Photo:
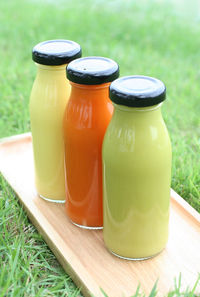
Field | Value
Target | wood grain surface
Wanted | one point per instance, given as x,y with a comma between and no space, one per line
82,252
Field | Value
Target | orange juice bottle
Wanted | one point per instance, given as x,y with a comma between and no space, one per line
86,119
49,96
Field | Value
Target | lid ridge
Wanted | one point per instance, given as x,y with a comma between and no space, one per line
56,52
137,91
92,70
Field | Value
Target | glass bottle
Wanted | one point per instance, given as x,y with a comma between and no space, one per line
136,170
86,118
48,100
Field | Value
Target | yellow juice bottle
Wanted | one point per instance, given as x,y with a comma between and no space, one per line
48,100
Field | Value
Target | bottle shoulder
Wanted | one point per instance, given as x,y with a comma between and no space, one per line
52,92
81,113
137,136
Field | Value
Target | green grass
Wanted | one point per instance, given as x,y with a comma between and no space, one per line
156,38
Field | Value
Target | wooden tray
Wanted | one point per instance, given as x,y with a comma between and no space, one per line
82,252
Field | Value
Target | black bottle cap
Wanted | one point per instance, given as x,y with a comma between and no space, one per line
92,70
56,52
137,91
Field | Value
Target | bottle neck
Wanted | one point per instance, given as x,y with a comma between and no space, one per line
51,71
93,92
124,108
138,113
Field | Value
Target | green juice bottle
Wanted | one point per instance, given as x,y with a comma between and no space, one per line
136,170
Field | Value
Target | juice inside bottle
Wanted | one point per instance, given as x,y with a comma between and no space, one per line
47,107
86,119
136,170
49,97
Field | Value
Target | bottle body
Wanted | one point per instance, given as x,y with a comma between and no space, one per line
136,182
86,119
48,100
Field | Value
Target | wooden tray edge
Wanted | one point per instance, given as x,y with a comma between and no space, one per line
66,265
15,137
186,207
